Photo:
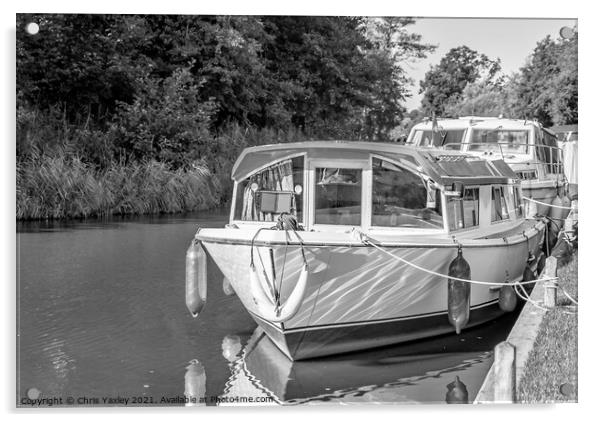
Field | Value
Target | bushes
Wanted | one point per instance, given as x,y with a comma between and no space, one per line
167,123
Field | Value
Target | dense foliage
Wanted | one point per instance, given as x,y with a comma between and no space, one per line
467,83
546,87
99,91
445,82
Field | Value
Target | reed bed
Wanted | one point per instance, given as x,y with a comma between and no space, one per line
63,186
77,174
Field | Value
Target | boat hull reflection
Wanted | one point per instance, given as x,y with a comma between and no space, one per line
381,375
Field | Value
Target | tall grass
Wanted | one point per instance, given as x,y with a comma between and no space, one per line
63,186
75,174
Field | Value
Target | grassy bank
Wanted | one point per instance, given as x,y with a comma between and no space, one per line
553,360
63,186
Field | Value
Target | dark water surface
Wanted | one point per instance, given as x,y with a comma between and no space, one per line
101,314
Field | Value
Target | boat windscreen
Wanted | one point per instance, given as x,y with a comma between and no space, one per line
401,198
338,196
267,193
511,141
429,138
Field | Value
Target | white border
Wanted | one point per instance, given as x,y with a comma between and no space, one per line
590,34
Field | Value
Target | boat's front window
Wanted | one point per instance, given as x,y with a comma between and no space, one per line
400,198
463,212
512,141
438,138
338,196
275,189
517,203
499,209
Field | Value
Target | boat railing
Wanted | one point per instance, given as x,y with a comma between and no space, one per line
544,154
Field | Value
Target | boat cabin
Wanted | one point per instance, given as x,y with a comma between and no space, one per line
531,150
334,185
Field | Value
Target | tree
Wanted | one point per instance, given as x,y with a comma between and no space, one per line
445,82
169,123
480,99
330,76
546,87
392,46
82,64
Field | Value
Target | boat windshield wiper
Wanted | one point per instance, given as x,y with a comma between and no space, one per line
443,138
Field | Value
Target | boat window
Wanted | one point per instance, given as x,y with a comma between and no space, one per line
499,209
464,213
551,153
516,200
400,198
271,191
455,215
471,207
338,196
438,138
515,141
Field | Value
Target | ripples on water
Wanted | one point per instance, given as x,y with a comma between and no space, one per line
101,313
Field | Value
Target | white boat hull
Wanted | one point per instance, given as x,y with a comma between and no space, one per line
543,191
358,297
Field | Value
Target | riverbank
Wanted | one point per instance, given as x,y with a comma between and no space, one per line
63,186
552,363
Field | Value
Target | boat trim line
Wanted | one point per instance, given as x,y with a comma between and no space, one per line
370,322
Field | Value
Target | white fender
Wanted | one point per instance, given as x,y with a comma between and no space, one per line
196,278
227,287
260,296
293,303
268,292
267,309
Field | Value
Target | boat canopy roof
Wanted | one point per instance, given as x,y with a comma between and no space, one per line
442,166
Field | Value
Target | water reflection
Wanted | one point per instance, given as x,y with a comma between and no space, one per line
231,347
456,392
418,372
195,384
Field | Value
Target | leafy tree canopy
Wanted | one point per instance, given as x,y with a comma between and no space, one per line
445,82
546,87
328,75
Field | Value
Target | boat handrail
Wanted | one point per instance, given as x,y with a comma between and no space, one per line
556,167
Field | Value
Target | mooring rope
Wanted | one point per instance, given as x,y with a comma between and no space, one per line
364,238
546,204
564,292
526,298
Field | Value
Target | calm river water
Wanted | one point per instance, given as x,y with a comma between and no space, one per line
101,315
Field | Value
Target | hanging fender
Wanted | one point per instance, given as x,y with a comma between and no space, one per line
458,293
267,308
196,278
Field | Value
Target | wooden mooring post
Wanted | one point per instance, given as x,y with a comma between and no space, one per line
504,371
550,286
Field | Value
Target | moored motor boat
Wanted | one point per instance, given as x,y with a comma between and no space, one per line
337,246
526,146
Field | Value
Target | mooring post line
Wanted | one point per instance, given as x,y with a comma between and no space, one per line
550,286
504,365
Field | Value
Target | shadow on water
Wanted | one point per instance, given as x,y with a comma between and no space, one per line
102,314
